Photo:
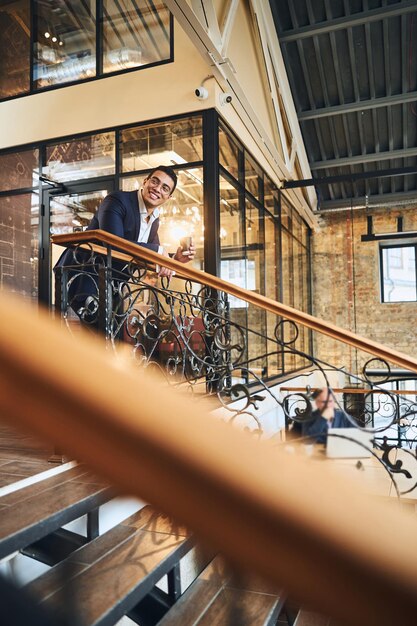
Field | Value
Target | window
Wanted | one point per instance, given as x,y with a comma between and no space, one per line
14,48
398,273
69,42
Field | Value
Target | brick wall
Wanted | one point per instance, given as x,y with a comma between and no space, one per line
346,284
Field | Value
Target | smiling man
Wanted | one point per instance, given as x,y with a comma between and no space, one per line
134,215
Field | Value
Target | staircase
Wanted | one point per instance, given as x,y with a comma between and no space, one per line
95,580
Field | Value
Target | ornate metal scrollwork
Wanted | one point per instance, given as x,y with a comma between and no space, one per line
191,334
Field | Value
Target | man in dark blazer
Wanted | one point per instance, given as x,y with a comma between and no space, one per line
132,215
324,417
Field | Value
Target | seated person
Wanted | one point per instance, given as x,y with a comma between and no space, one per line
324,417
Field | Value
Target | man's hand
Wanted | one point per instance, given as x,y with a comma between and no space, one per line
164,271
186,256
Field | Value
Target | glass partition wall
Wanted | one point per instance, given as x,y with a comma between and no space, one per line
264,247
248,233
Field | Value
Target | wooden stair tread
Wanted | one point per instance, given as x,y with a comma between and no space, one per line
35,511
310,618
214,598
110,575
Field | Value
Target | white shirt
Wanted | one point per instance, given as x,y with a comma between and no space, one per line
146,221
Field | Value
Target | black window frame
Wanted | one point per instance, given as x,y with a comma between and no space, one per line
383,247
100,75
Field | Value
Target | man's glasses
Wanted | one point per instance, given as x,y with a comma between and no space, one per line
155,182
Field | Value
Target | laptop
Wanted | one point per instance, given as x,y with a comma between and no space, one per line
357,446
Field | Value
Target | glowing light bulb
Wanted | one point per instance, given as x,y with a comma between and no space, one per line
47,35
54,39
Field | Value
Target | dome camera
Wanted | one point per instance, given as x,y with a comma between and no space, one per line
225,98
201,93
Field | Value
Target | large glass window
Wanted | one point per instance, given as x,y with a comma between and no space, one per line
137,36
87,157
19,243
14,48
167,143
398,268
264,247
19,170
230,154
255,267
72,43
65,42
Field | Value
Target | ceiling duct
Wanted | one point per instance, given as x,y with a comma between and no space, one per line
73,69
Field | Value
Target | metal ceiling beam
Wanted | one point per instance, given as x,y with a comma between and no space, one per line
204,9
272,80
373,15
397,200
227,25
372,157
361,105
339,178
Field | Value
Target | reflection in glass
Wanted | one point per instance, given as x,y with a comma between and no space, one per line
166,143
82,158
73,213
271,289
14,48
65,42
229,153
70,214
287,293
270,196
286,214
253,176
19,244
138,35
255,246
19,170
233,265
182,215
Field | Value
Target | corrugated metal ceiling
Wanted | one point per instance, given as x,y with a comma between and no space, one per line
352,67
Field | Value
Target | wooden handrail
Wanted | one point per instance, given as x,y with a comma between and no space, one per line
315,323
286,518
401,392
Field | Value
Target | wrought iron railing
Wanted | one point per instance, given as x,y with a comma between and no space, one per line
186,328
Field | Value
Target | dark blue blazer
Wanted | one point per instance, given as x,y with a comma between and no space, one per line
317,427
117,214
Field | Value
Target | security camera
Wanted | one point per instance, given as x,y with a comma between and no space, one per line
201,93
225,98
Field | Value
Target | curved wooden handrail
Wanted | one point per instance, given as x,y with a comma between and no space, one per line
355,390
315,323
285,517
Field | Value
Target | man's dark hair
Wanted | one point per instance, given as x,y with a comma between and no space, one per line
168,171
316,393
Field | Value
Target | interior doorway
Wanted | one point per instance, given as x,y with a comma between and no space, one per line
67,210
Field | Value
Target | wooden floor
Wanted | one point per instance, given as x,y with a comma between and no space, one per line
21,456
